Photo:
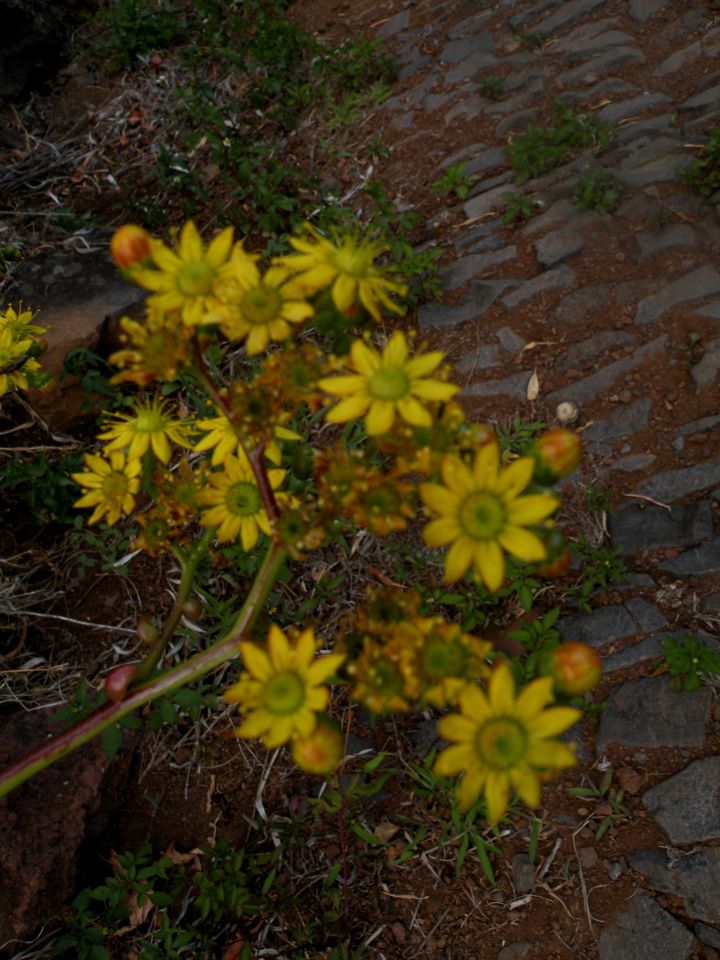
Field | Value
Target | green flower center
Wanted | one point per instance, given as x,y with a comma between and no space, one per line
382,500
501,743
261,305
442,658
284,693
353,260
115,486
196,279
482,516
389,383
385,679
150,420
243,499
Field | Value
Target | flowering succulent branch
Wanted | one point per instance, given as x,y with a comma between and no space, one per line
246,475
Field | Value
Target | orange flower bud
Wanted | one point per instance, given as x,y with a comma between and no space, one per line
130,246
117,682
322,749
557,453
193,608
575,668
558,566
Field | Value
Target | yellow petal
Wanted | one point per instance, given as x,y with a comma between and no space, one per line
190,246
324,667
531,509
439,533
305,649
343,292
470,788
501,690
554,721
490,563
434,390
527,784
365,360
339,386
456,475
550,755
279,733
439,498
485,468
380,418
248,533
256,661
456,726
254,725
279,649
474,704
458,559
533,698
522,544
423,364
352,408
497,794
515,478
396,351
453,760
414,412
219,249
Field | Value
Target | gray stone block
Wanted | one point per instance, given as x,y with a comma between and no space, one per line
645,526
695,878
652,713
644,931
601,381
702,561
625,421
701,283
599,627
558,246
686,804
558,279
674,484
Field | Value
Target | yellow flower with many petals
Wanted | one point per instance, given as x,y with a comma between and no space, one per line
387,384
19,322
183,279
15,362
221,438
111,486
158,348
253,307
499,741
347,264
282,688
482,514
235,504
148,427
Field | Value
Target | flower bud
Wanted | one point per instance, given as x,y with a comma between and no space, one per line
117,682
193,608
147,632
130,246
574,667
557,453
322,749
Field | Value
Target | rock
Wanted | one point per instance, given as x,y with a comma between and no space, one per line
474,265
458,50
648,649
484,356
559,278
674,484
396,24
645,9
569,13
614,112
513,386
591,70
46,822
630,780
646,615
523,874
707,98
652,713
588,857
701,561
671,236
698,426
509,340
708,935
705,370
637,461
558,246
33,42
695,877
644,931
687,805
601,381
515,951
595,346
598,628
701,283
625,421
480,297
644,526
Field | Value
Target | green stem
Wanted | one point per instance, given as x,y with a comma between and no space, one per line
188,560
105,716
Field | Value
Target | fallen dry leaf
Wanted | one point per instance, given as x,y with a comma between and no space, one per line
533,387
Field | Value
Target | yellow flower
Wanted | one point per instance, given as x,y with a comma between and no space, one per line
149,426
321,750
235,503
386,385
111,485
499,742
222,439
448,659
282,688
19,323
15,361
348,265
259,308
482,514
183,278
159,348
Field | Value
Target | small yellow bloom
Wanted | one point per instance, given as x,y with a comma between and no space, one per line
183,279
347,264
482,514
282,688
235,504
111,485
149,426
15,361
253,307
321,750
19,323
158,348
385,385
221,438
500,741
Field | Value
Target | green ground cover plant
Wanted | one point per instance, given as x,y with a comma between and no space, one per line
703,174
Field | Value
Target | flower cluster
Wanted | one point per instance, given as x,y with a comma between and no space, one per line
306,446
19,348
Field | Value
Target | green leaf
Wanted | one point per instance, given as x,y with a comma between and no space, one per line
462,853
481,848
366,835
112,739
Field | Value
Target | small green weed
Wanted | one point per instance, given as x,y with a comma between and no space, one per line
597,190
529,41
454,180
40,489
100,546
601,567
691,349
517,207
605,793
492,88
703,174
537,637
132,29
690,661
516,436
538,149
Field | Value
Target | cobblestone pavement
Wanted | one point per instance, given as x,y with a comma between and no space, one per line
498,66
